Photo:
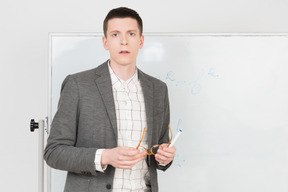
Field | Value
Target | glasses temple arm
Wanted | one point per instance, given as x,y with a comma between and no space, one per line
171,135
141,138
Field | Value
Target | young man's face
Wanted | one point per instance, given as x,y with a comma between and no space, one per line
123,41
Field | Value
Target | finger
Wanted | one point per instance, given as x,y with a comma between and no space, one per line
128,151
128,164
162,159
141,155
166,153
170,150
164,145
130,154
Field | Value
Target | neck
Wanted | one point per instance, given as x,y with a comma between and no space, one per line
125,72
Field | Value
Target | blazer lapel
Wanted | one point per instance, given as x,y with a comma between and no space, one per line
147,88
103,82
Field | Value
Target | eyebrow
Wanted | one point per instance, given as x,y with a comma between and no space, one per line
117,31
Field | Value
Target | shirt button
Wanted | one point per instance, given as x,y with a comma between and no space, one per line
108,186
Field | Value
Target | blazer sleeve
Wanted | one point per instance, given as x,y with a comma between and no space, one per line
61,152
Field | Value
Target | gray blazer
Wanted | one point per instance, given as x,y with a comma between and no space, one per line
86,121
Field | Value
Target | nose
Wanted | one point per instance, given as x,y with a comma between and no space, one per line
124,40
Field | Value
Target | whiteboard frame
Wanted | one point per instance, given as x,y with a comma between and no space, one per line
47,175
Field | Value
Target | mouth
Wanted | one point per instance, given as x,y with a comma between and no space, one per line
124,52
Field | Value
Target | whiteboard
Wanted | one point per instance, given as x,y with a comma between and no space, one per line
228,93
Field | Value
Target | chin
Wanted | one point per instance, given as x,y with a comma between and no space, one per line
126,63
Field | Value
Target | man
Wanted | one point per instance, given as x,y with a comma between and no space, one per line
102,114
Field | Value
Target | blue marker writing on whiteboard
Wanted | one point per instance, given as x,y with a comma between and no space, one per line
175,139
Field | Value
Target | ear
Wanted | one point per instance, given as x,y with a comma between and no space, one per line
104,40
141,42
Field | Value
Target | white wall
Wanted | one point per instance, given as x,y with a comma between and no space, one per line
24,29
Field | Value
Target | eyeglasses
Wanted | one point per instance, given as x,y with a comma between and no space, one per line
154,148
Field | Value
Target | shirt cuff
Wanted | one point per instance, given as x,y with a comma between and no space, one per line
161,164
97,161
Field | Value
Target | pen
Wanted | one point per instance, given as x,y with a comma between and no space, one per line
175,139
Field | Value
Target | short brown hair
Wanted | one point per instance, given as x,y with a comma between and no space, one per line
122,12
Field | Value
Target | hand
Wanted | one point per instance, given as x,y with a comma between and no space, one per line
122,157
164,154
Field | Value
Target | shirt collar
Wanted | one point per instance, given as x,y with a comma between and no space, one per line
119,83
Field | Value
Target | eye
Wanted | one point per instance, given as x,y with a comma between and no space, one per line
115,34
131,34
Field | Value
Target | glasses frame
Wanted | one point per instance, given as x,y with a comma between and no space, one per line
151,149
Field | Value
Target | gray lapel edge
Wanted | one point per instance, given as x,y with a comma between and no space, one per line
103,83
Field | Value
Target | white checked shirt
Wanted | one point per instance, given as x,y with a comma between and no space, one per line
131,120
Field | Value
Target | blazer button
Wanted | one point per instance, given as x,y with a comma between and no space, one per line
108,186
